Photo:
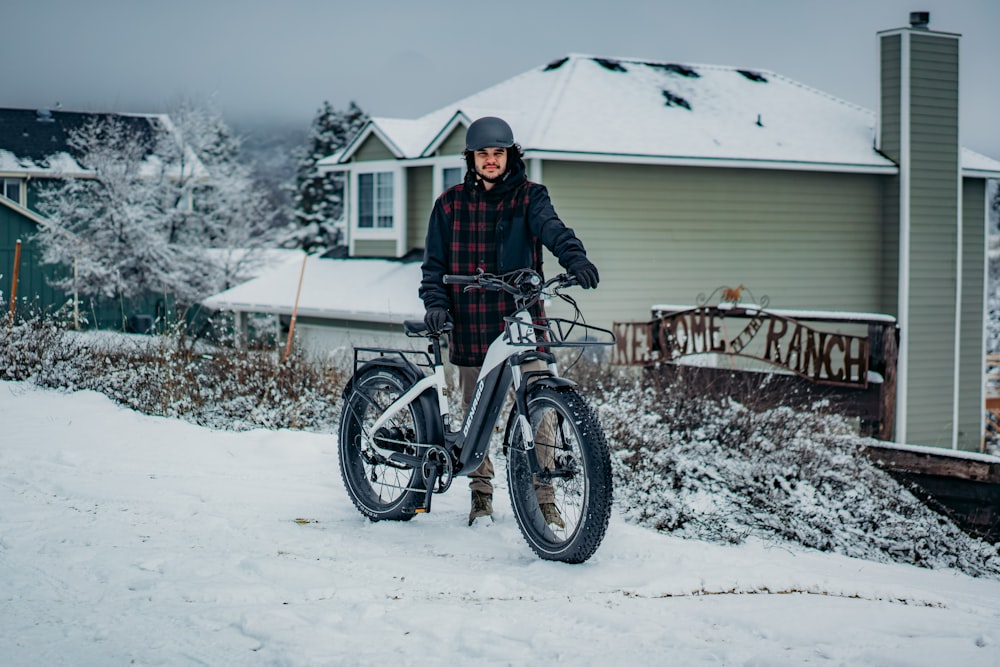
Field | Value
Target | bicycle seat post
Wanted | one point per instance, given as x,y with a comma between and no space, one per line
434,348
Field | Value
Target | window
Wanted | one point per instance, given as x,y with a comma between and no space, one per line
375,200
11,189
451,176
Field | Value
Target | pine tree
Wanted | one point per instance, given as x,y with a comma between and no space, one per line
317,220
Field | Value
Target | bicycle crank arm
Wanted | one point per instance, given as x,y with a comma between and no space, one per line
438,471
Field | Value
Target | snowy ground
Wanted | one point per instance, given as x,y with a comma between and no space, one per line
128,539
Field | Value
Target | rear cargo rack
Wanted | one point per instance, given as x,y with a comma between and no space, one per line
363,355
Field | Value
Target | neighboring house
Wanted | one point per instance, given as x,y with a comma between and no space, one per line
34,150
684,178
336,303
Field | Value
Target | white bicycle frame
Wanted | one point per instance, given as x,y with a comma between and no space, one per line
500,350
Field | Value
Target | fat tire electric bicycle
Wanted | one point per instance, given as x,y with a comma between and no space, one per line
398,447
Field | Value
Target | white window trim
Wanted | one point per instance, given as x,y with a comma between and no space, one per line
22,190
440,164
397,232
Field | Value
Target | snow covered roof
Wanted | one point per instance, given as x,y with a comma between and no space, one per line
35,142
370,290
628,109
977,164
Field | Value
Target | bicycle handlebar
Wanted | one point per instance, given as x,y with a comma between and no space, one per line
523,282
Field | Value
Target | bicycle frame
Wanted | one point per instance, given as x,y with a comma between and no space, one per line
501,369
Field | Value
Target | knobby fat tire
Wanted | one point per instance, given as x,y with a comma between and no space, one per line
594,465
379,490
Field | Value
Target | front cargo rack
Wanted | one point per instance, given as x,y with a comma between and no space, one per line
557,332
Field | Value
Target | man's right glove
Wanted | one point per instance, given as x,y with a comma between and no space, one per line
436,318
585,272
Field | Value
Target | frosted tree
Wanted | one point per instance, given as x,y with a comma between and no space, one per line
110,227
318,206
168,209
224,214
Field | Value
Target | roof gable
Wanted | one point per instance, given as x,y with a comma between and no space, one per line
454,141
374,147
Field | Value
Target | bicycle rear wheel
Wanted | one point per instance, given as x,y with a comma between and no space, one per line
576,476
379,488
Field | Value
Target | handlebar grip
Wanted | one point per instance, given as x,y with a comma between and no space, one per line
567,280
449,279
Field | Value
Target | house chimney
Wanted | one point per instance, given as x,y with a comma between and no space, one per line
920,20
919,131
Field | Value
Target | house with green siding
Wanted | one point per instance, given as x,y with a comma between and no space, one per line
681,178
35,150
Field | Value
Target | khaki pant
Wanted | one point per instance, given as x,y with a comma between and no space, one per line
481,479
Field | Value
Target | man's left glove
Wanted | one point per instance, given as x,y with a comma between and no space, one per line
435,319
585,272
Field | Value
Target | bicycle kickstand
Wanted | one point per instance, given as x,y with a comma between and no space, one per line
432,471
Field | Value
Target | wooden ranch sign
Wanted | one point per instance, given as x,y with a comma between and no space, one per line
825,357
812,355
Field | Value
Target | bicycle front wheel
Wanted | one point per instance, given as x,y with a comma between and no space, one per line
381,489
562,512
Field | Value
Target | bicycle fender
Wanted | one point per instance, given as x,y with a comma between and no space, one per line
410,370
552,381
428,399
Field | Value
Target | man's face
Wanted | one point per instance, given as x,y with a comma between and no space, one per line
491,163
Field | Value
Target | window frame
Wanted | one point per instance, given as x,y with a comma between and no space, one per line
381,205
397,230
444,181
20,182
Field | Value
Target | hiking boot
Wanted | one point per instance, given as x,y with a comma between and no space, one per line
482,505
551,515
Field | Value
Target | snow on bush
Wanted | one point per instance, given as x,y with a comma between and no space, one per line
715,470
175,376
700,468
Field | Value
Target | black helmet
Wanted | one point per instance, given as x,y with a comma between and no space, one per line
489,132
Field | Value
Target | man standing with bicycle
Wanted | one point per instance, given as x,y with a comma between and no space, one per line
495,221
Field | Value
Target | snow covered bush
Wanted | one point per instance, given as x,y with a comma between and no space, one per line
716,470
175,376
35,348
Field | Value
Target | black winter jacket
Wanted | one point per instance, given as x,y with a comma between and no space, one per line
520,216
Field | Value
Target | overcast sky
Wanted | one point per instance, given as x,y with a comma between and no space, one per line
403,58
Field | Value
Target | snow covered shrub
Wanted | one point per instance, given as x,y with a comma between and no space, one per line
174,375
36,348
714,469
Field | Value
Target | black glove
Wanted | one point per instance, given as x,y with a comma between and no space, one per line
436,318
585,272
